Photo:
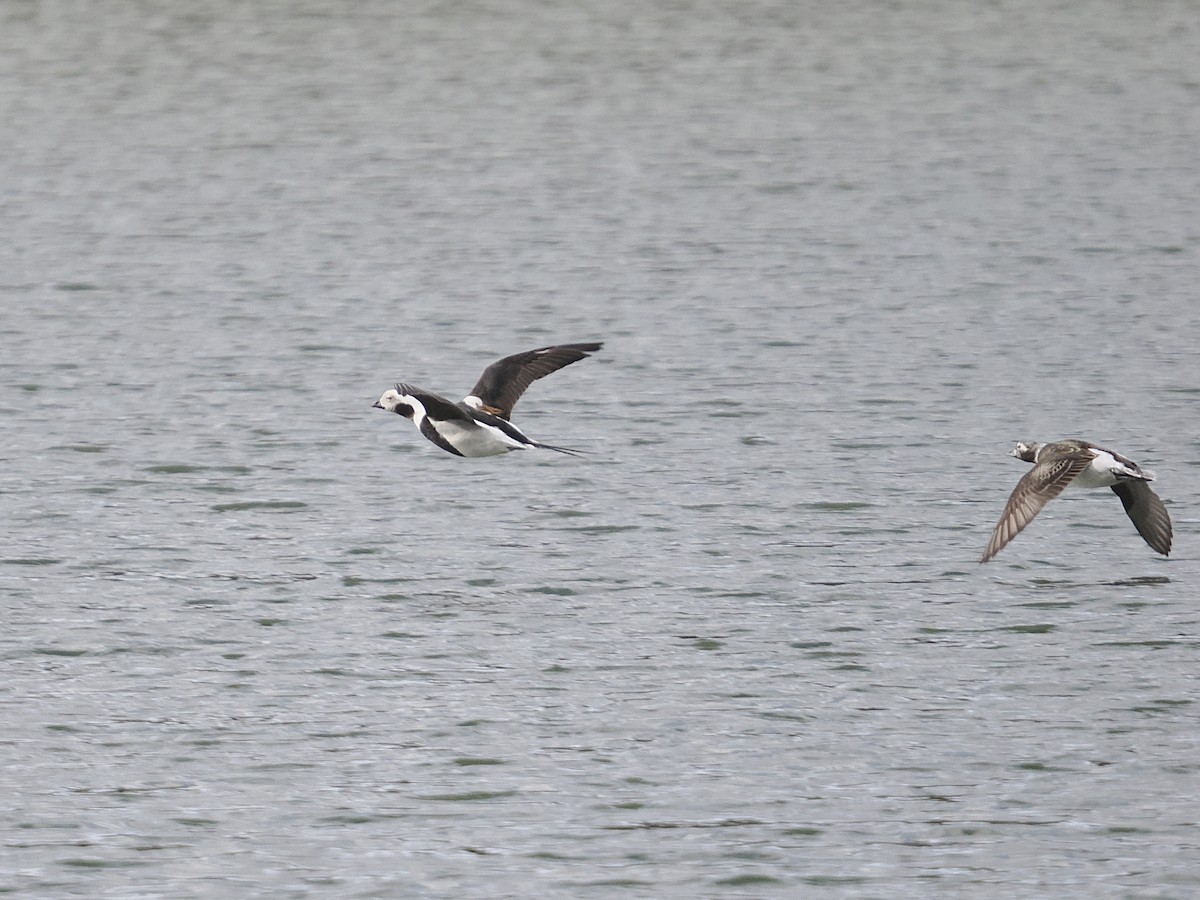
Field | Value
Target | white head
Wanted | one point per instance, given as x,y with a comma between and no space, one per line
395,400
1026,450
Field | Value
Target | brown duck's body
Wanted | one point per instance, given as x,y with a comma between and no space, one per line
1075,463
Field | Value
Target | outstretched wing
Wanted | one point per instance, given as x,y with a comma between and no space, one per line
1147,512
503,382
1039,486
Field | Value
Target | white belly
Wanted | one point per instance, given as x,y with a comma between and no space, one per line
1100,473
481,440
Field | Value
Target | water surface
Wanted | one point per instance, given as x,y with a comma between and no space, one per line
262,640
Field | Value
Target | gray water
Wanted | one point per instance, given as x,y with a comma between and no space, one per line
262,640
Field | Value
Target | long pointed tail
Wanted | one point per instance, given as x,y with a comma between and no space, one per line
567,450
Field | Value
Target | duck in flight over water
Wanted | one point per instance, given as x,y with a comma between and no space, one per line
1072,463
479,425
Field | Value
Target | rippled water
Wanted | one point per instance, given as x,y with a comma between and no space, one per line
262,640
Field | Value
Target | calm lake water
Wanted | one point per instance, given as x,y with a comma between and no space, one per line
262,640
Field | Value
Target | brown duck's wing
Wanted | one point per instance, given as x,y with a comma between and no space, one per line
503,382
1039,486
1148,514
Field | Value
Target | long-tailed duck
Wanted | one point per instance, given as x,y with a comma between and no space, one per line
479,425
1073,463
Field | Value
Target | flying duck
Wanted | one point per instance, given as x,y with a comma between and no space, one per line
479,425
1073,463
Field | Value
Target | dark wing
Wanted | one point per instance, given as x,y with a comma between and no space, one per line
438,408
502,383
1123,460
1147,512
1039,486
434,436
